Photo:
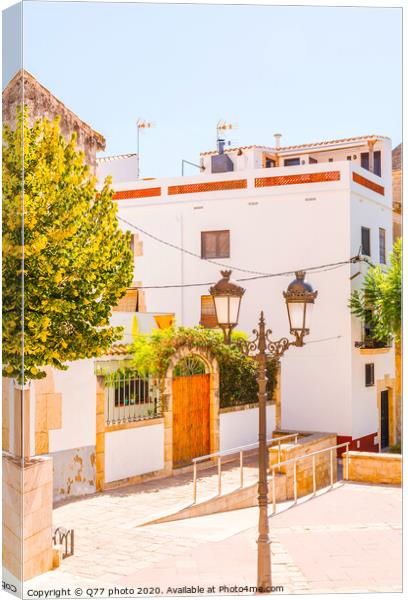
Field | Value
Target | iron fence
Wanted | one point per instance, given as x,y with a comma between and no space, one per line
131,398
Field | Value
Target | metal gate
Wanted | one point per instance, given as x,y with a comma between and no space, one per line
191,411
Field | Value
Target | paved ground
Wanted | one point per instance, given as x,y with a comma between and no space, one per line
348,539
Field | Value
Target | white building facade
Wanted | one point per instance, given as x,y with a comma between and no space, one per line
263,211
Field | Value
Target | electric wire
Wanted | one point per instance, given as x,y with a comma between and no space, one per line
257,274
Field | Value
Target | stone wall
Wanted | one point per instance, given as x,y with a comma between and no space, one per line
27,516
374,467
307,443
41,102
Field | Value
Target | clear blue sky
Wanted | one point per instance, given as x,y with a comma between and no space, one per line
310,73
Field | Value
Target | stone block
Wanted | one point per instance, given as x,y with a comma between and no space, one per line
37,521
41,442
37,475
38,564
37,498
56,556
38,542
54,411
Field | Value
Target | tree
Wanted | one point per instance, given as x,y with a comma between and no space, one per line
65,260
380,297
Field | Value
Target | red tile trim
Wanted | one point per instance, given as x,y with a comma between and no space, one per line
142,193
297,179
211,186
368,183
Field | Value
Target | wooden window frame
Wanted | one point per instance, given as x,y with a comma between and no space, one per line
218,253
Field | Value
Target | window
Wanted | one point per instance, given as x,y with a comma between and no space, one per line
381,233
365,241
377,162
215,244
349,158
269,163
208,315
312,160
369,374
330,160
364,160
291,162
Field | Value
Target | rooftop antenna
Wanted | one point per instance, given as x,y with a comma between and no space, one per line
141,124
222,127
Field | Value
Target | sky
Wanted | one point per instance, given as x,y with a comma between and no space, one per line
309,73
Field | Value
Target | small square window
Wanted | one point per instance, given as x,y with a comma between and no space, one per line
215,244
369,374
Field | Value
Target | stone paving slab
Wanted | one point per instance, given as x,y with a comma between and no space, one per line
347,539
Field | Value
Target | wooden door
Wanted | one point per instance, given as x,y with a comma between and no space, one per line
191,418
385,424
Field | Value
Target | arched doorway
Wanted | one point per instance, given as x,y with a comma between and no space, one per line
191,410
191,407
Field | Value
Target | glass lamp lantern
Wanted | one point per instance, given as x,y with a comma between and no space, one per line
227,297
300,298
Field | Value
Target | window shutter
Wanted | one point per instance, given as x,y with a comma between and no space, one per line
215,244
208,314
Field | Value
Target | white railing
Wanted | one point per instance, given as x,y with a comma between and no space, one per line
240,450
312,455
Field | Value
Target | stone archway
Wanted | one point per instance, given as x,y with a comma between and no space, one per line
211,368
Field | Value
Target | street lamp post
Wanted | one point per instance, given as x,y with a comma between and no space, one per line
299,298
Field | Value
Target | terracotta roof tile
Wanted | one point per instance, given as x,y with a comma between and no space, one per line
299,146
119,350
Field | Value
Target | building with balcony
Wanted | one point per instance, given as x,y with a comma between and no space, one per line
266,210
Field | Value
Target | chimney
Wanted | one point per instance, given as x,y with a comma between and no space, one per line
277,137
221,144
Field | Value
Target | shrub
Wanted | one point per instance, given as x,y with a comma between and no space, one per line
238,372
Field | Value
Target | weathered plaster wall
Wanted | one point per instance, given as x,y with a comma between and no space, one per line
74,472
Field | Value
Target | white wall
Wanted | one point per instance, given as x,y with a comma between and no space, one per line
238,428
78,388
367,211
272,229
132,452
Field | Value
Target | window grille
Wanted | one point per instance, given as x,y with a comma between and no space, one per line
129,398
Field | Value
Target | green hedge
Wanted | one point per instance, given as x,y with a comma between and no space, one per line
238,372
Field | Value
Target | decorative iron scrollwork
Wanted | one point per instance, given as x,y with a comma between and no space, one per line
65,538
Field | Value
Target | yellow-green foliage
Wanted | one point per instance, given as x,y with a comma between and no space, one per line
65,260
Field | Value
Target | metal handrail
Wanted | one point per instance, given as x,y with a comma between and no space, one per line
239,449
313,456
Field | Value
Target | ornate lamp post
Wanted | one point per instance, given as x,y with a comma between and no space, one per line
299,298
227,297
